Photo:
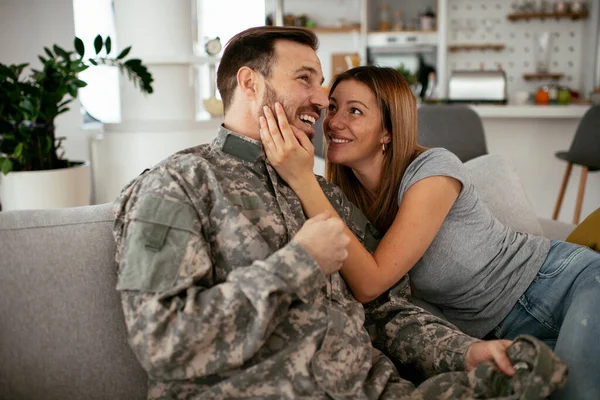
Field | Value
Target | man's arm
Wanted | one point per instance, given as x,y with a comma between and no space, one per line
183,320
419,339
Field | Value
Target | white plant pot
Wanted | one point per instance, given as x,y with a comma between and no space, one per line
58,188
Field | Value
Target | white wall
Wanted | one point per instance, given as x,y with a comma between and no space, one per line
120,156
26,26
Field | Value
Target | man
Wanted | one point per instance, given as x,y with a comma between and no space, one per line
227,290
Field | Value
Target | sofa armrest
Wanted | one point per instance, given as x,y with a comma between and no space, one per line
556,230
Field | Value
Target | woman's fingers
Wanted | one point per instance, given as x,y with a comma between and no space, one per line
284,125
292,135
273,128
266,138
305,142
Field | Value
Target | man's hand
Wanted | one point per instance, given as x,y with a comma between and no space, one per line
325,240
490,350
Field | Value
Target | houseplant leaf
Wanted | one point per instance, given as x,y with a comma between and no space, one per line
7,166
132,62
18,150
79,83
60,52
124,53
98,44
108,44
79,47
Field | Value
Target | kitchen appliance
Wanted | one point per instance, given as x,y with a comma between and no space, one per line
477,87
407,50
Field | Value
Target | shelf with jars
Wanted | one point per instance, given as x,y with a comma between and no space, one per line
335,29
454,48
402,16
542,76
547,15
544,9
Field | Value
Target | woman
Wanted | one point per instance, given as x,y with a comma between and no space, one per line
488,279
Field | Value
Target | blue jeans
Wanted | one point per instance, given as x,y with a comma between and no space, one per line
561,307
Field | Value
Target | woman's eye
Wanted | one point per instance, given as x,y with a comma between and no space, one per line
354,110
331,107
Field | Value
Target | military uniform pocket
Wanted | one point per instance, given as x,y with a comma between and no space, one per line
247,202
156,243
364,230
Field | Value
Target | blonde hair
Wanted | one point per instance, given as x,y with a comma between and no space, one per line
399,117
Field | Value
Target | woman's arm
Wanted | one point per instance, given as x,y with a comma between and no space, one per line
422,211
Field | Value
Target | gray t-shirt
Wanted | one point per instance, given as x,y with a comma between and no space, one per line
476,268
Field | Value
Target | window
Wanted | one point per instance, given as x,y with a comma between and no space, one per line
216,19
100,98
222,18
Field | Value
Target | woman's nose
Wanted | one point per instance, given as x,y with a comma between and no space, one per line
334,121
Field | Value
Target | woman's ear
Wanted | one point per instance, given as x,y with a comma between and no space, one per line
387,138
248,82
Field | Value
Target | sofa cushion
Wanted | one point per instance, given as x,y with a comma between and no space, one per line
500,188
556,230
587,233
62,332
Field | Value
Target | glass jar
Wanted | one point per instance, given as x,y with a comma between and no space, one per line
384,18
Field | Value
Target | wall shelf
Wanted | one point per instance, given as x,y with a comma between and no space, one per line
404,31
335,29
454,48
539,76
546,15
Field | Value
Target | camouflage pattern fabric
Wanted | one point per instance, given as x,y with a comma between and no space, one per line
220,302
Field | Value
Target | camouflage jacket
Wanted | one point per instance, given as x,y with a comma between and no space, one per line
221,302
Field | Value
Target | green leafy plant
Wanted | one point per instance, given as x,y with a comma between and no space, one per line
410,77
30,105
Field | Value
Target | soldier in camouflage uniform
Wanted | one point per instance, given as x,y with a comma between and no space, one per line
229,292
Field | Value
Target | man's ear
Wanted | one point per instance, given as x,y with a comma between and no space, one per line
248,82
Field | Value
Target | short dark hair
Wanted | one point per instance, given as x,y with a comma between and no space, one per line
255,48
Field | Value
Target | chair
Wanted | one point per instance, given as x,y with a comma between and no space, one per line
585,152
454,127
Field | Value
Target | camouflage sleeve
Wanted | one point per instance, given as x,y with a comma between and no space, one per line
407,333
352,216
413,336
180,315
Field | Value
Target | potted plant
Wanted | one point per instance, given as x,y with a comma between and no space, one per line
32,162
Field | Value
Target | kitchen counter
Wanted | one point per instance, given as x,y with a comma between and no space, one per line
529,136
531,111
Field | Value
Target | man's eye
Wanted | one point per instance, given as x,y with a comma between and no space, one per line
304,78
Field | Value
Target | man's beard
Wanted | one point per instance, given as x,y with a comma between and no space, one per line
271,97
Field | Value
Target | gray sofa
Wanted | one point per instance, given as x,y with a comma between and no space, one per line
62,332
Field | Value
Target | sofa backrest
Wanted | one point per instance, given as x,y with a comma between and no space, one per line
62,331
